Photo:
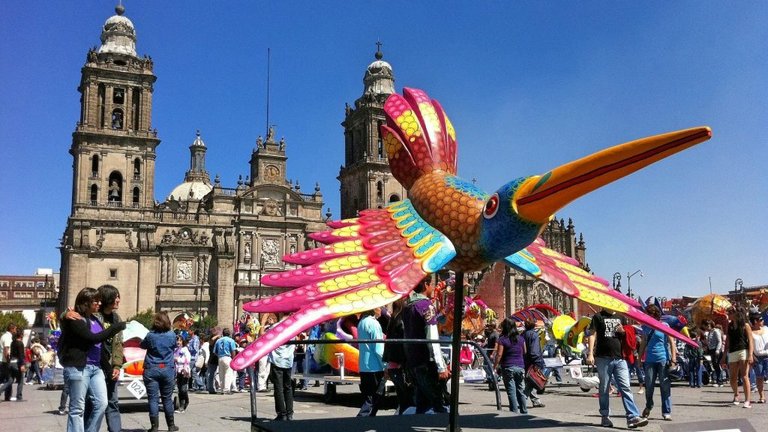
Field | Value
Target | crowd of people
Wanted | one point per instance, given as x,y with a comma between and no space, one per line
90,350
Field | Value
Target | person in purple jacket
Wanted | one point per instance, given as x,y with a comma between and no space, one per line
510,352
424,361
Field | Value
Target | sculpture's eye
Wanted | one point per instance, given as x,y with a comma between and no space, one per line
491,206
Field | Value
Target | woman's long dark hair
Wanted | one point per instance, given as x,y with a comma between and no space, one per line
739,317
509,329
84,299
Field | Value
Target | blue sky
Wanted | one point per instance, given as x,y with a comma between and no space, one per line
528,86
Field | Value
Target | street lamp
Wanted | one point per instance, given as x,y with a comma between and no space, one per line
617,281
629,278
738,288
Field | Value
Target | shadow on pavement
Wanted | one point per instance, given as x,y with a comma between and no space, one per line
418,423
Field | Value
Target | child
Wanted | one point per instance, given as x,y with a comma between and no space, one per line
695,358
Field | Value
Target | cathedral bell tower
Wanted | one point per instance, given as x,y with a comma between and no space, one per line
114,145
366,180
110,231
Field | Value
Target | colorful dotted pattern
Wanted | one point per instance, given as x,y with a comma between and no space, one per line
466,187
454,213
419,138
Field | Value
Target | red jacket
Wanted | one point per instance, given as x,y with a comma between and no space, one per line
629,344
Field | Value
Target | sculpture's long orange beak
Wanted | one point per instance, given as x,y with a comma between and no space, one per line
539,197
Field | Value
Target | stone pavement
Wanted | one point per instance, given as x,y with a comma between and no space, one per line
567,408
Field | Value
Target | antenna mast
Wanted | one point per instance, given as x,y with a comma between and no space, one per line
268,71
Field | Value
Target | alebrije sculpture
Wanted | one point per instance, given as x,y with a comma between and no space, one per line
378,257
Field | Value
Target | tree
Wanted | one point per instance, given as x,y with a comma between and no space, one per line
12,318
145,318
205,324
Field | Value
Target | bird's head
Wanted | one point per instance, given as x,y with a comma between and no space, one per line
516,213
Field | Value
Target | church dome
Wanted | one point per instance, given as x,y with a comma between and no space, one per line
379,78
190,191
118,35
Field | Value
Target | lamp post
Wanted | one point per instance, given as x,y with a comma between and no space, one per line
617,281
738,288
629,279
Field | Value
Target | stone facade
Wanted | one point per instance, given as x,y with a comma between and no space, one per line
185,254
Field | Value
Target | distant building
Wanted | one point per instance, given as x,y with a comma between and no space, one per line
33,295
202,249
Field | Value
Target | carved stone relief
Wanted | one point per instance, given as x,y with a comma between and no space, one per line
270,249
184,270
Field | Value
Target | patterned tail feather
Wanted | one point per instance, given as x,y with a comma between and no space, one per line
418,137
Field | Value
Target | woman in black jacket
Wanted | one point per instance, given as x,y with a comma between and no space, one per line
394,355
80,354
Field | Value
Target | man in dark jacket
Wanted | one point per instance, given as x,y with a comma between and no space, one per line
424,361
112,358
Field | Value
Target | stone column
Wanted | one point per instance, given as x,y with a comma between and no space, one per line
225,296
146,283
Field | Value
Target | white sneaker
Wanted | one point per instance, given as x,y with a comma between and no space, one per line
667,417
13,399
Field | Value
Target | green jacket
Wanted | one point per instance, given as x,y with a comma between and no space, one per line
112,349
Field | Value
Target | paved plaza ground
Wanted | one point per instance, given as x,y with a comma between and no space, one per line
567,408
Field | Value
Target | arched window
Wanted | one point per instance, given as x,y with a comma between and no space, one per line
118,96
95,166
136,194
380,142
94,194
137,168
115,190
394,198
102,104
117,118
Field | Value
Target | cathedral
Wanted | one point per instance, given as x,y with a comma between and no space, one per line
204,248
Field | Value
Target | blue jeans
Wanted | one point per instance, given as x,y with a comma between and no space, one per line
514,383
210,378
660,370
160,383
639,370
85,382
196,383
114,424
617,369
112,412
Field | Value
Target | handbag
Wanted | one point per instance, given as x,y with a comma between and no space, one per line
536,377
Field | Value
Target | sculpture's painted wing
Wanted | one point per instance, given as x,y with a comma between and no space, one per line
564,273
368,262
